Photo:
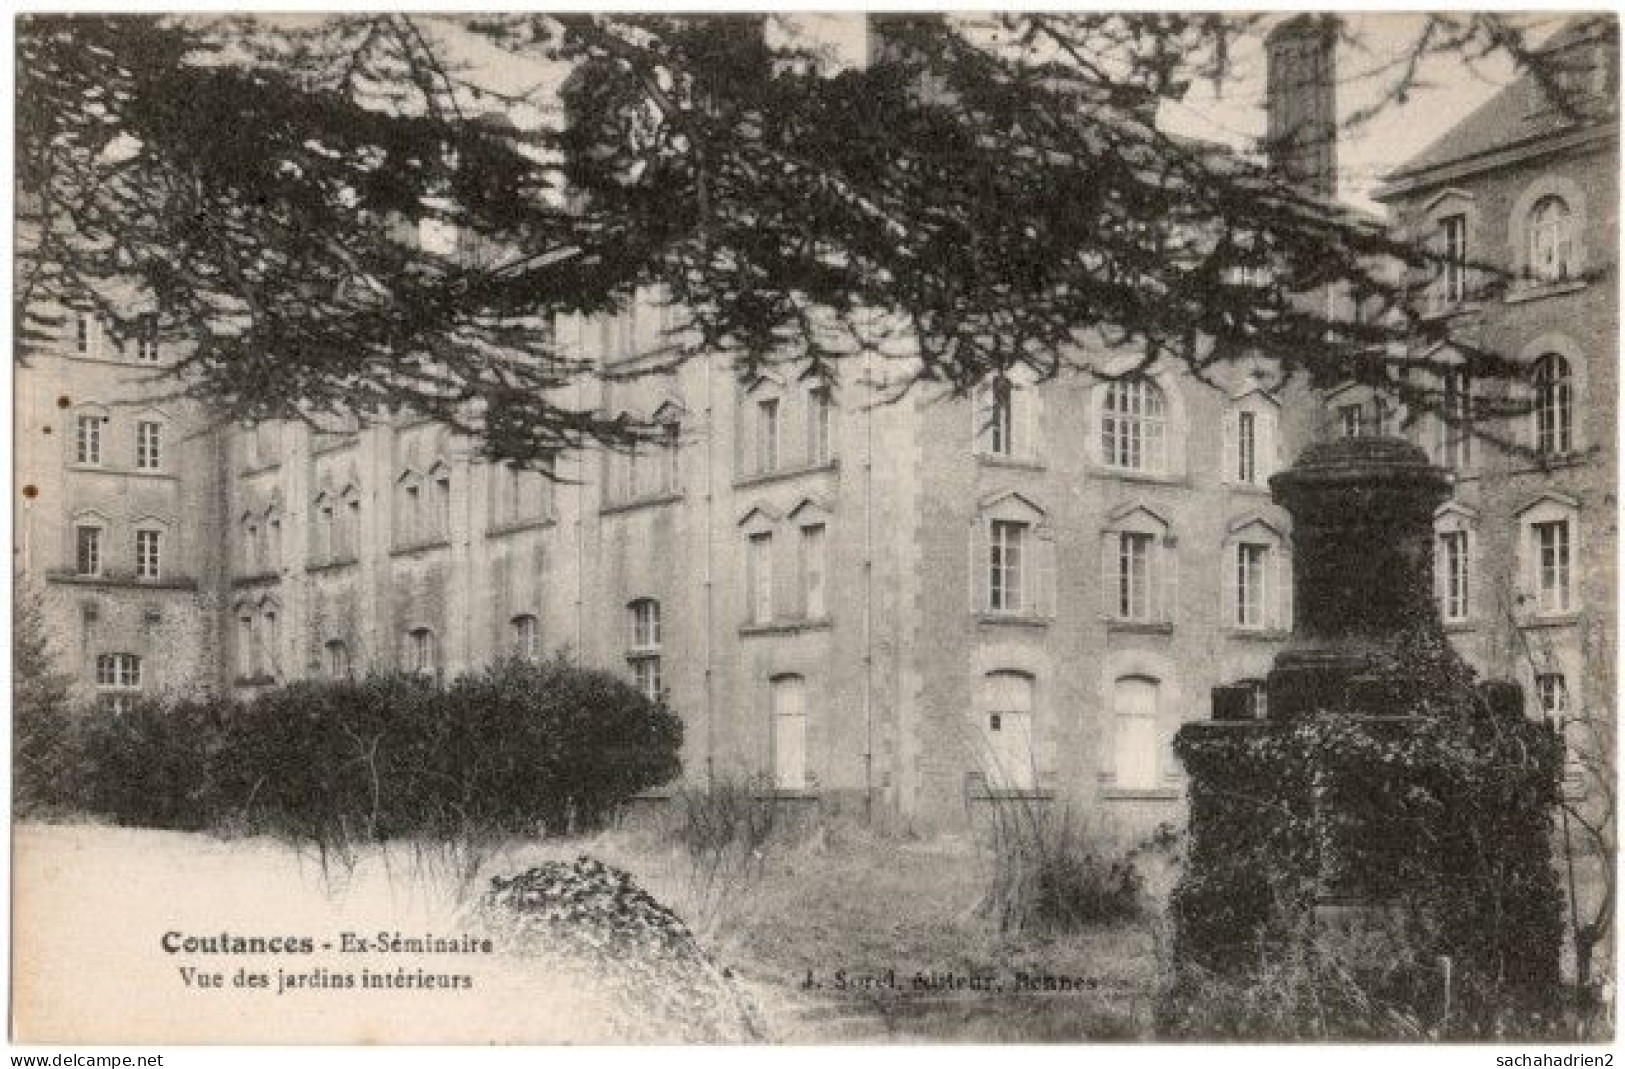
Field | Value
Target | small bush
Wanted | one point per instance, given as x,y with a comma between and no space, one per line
727,824
1055,872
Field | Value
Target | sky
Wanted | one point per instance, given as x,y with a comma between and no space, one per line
1447,92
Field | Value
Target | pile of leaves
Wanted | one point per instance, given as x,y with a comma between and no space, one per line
593,921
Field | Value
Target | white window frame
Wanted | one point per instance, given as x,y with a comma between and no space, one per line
1005,419
149,553
768,419
1553,546
1553,383
526,634
89,433
146,338
813,570
1454,560
1135,425
1254,543
149,445
1555,236
88,334
1000,519
1137,536
820,425
1453,241
1252,468
118,680
759,576
643,653
96,546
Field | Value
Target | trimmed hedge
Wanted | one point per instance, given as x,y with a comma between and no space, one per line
517,748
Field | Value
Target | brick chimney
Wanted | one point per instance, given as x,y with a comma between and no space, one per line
1301,98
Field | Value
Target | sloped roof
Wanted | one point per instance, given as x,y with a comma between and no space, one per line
1513,116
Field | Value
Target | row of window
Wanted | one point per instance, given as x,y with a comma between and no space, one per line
90,557
92,340
91,431
422,512
1550,253
1136,431
1551,414
258,639
1546,555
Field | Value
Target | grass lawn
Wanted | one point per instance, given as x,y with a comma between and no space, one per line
93,905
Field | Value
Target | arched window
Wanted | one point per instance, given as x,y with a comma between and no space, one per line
337,655
1004,731
1554,405
422,653
789,731
1135,711
643,650
527,636
118,680
1133,426
1551,240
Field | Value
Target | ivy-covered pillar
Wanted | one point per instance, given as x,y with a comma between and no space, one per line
1362,571
1391,813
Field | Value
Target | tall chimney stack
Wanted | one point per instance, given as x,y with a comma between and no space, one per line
1301,98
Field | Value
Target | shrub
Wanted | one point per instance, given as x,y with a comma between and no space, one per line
42,767
512,749
1055,872
153,764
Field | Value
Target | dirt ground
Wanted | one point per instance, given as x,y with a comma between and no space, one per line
841,939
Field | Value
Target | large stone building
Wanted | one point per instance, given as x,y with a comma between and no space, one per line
903,608
1528,185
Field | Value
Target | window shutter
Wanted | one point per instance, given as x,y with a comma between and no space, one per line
980,411
1026,421
1232,447
1283,587
1165,560
1229,565
1108,574
1043,599
979,553
1271,447
1441,571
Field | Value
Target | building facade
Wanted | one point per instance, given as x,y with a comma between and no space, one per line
116,512
1526,189
902,607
